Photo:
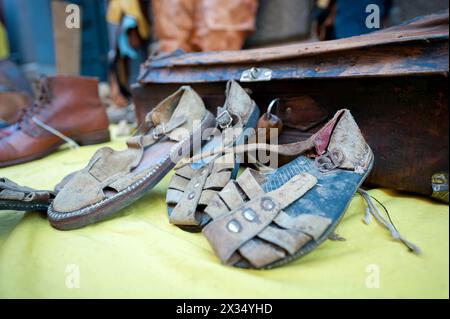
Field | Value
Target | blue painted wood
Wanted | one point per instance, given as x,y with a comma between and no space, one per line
418,47
389,60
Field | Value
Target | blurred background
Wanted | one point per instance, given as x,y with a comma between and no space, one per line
115,37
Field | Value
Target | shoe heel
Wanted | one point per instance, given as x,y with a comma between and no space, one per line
92,138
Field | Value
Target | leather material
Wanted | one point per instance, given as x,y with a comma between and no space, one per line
16,197
305,199
115,179
302,113
15,94
261,210
7,130
192,188
339,142
71,105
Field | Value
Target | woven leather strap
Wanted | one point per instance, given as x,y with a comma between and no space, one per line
251,225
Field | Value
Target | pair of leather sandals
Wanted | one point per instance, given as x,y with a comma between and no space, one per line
177,128
252,219
264,220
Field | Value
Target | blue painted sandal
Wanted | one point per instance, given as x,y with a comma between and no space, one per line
267,220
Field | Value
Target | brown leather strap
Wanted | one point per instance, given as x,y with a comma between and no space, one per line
197,187
185,212
156,133
318,141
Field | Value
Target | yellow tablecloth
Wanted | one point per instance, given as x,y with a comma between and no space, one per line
139,254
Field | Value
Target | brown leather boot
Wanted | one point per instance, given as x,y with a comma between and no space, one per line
68,106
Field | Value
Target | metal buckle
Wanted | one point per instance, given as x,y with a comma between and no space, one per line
224,120
329,161
158,131
256,74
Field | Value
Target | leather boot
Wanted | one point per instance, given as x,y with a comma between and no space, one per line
67,107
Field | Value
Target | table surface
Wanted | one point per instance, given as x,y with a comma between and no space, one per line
138,254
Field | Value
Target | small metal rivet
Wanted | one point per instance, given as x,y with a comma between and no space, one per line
267,204
196,185
191,195
234,226
249,214
203,172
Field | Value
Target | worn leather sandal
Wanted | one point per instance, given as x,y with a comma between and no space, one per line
267,220
22,198
113,180
192,187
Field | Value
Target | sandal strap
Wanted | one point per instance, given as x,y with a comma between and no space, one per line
237,229
318,141
185,212
12,191
339,144
189,189
199,190
107,164
156,133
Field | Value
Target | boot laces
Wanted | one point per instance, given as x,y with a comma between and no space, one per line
44,98
31,112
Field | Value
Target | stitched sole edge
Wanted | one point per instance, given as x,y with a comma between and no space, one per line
21,206
108,207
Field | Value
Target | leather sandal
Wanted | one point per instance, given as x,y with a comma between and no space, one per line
266,220
115,179
22,198
193,186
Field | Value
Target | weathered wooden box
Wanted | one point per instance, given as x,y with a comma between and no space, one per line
394,82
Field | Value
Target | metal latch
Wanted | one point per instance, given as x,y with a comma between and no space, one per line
224,119
256,74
